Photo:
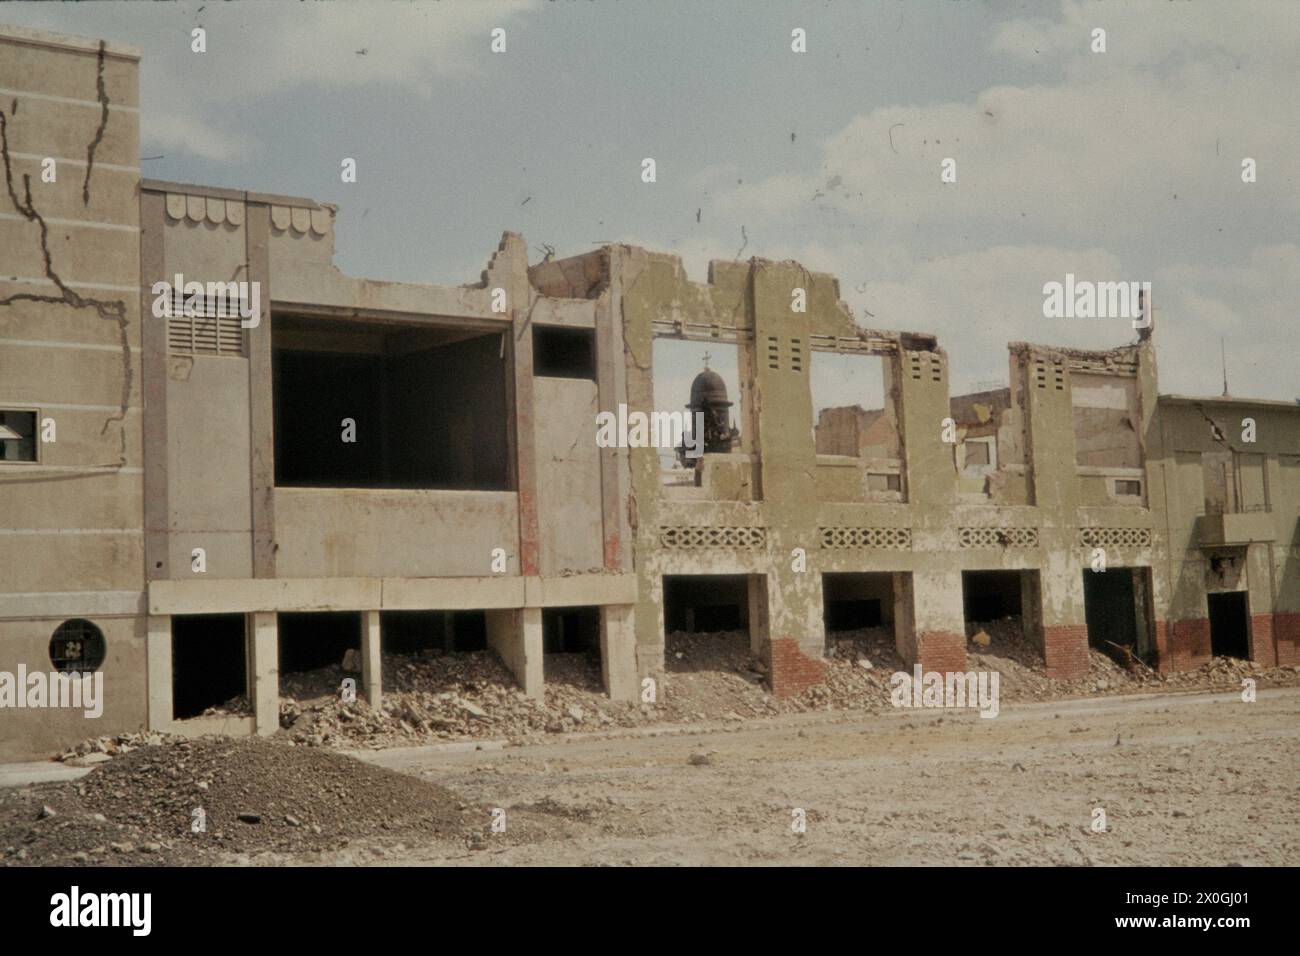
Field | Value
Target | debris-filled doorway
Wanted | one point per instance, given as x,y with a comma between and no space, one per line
707,620
858,613
209,666
1229,624
1000,607
1116,605
318,649
571,647
430,633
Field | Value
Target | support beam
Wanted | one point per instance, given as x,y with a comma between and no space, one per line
159,668
372,669
516,636
265,663
618,651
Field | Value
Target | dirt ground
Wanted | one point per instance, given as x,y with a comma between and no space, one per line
1183,779
712,775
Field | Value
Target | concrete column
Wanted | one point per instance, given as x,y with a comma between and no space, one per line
938,637
257,246
1063,626
265,662
756,585
159,670
372,668
516,636
618,651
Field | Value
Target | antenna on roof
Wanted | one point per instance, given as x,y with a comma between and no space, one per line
1223,359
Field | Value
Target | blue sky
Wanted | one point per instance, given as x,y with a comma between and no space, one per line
1123,165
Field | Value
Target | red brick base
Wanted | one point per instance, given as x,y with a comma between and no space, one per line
1182,645
793,671
941,651
1286,629
1065,651
1261,640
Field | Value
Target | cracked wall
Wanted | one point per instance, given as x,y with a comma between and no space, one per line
69,347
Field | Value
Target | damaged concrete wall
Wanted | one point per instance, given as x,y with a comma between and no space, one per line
70,320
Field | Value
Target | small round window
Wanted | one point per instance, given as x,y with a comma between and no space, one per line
77,645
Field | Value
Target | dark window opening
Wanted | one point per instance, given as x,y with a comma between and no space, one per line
571,630
17,435
706,602
571,647
991,595
1229,624
427,406
77,646
313,640
433,632
1115,605
564,352
853,601
209,664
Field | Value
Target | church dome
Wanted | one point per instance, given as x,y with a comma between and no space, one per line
709,390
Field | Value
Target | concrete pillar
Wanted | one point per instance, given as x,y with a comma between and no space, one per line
265,662
937,639
618,651
372,669
516,636
1064,627
159,670
758,634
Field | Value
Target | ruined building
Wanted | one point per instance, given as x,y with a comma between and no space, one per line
182,513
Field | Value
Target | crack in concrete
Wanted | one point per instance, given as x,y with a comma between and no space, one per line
102,92
114,311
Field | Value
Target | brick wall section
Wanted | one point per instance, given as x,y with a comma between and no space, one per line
793,671
1286,628
1189,644
1065,650
1261,640
1164,661
941,651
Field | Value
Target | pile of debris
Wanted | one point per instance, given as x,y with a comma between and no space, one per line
195,800
235,707
102,749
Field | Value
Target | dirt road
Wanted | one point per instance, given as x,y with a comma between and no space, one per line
1183,780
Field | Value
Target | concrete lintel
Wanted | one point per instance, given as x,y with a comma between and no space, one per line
452,594
580,590
229,595
71,604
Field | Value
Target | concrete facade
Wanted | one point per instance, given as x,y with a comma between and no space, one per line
171,491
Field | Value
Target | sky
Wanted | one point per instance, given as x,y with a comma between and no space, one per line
1123,165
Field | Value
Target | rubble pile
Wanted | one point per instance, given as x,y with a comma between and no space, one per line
245,795
101,749
235,707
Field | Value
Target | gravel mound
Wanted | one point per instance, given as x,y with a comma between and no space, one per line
255,794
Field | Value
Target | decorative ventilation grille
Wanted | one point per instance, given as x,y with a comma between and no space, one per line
796,355
773,352
205,335
888,539
1115,537
693,538
914,361
997,537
